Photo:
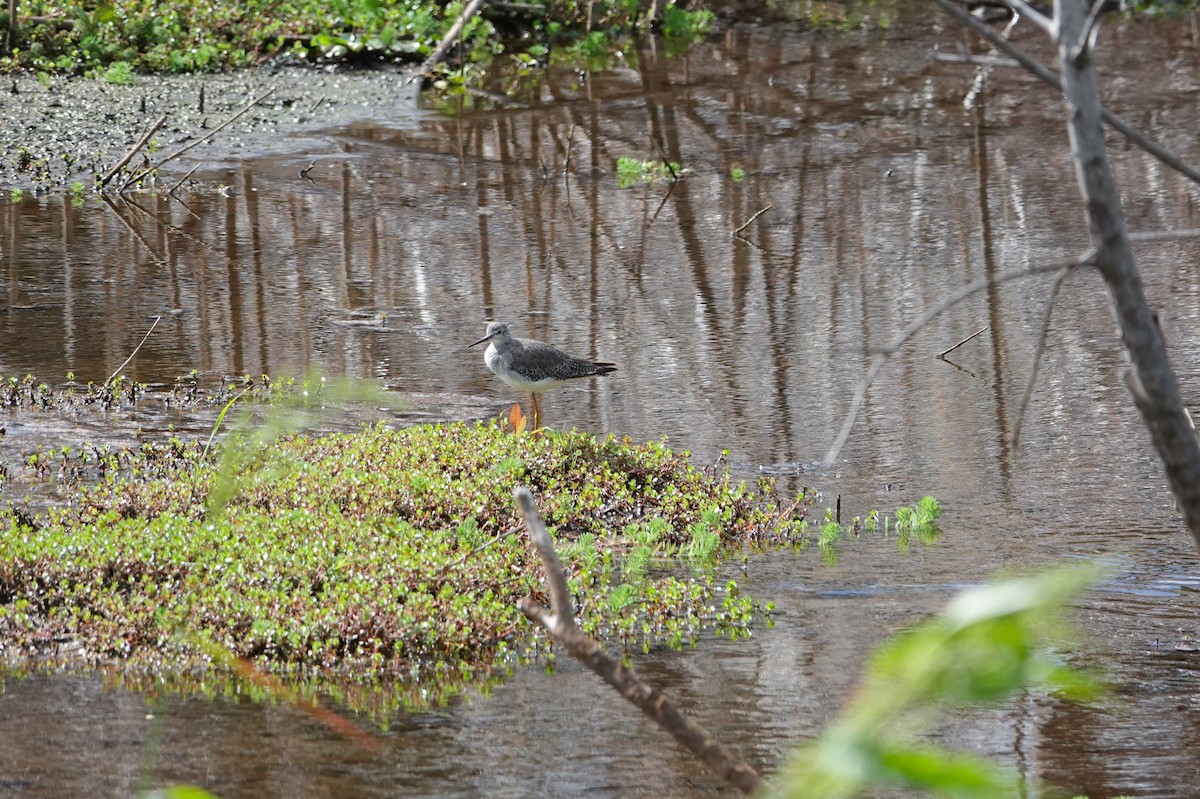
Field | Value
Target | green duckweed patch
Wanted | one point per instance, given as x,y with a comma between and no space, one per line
350,562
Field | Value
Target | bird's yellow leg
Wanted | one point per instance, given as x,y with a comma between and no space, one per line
537,414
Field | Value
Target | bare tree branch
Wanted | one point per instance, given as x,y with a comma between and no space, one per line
972,58
1161,235
113,376
949,350
1156,391
750,221
448,40
904,335
1116,122
133,150
1091,30
138,176
1036,17
561,624
137,234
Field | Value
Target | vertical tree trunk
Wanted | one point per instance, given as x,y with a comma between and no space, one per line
11,33
1154,385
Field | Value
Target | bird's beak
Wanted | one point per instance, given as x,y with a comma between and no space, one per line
485,338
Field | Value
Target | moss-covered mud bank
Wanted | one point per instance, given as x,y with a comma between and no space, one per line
384,557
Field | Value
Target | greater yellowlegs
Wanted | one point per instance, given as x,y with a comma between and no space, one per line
534,366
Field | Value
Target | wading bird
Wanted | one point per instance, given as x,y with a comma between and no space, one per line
534,366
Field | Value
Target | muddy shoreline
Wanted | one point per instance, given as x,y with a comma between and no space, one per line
68,130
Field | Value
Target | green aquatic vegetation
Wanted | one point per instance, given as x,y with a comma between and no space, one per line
380,568
704,537
634,567
119,72
841,16
379,557
681,23
919,521
831,533
28,393
90,38
632,171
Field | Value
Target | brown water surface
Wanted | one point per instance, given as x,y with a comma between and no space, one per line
886,193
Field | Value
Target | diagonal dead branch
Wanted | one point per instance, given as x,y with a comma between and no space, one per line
661,205
750,221
561,624
1037,356
1036,17
949,301
183,179
137,234
113,376
942,355
567,160
1117,123
448,40
666,161
138,176
133,151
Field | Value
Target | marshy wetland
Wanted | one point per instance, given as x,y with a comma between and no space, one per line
377,247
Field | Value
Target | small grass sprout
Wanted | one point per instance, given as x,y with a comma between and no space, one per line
632,171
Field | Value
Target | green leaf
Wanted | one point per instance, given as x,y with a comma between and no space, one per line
178,792
954,774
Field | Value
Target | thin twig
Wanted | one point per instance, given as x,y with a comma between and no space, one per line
134,206
1116,122
904,335
977,60
448,40
1159,235
561,624
666,161
960,368
183,179
137,234
133,150
567,161
186,207
1091,29
750,221
280,691
1037,355
135,351
666,197
1036,17
740,237
197,142
944,353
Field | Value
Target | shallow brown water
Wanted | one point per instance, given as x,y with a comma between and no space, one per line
886,193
